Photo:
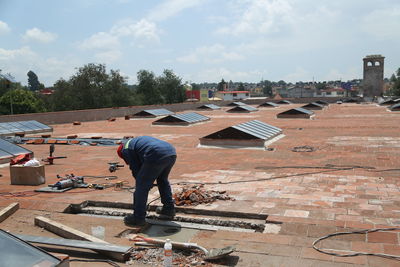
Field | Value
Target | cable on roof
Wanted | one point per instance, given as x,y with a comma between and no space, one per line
395,257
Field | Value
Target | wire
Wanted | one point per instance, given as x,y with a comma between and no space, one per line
356,253
112,263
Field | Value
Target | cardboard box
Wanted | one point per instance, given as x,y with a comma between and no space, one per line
24,175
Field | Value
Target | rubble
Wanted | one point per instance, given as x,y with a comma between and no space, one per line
154,257
196,195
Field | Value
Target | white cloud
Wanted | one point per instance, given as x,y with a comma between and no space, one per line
14,53
216,53
300,74
259,17
108,56
216,74
38,35
100,40
383,24
170,8
4,28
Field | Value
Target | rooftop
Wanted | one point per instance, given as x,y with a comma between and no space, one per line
348,181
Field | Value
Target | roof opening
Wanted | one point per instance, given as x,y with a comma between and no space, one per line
253,133
9,150
313,106
395,107
181,119
284,102
152,113
25,127
269,105
321,102
300,113
209,106
237,104
242,109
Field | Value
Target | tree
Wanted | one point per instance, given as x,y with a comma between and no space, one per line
395,80
241,87
267,87
171,88
221,85
147,88
33,82
23,101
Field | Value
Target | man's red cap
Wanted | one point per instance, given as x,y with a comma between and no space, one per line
119,151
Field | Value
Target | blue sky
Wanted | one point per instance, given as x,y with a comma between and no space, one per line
200,40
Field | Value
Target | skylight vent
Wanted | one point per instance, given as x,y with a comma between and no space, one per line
152,113
25,127
313,106
209,106
182,119
242,109
300,113
268,105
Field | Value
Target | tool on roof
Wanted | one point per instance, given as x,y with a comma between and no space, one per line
114,166
69,181
213,254
50,159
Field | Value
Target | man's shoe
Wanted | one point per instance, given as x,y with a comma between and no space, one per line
130,220
166,213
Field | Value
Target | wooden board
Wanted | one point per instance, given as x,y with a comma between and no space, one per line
8,211
71,233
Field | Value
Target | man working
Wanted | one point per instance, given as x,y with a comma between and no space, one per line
149,159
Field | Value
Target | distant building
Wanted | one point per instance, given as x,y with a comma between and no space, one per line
373,76
330,92
233,95
299,91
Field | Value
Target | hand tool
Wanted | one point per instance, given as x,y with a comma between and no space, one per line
50,159
114,166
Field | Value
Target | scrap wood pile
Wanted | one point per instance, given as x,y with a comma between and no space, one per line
154,257
196,195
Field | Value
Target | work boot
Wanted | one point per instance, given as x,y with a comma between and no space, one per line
132,221
166,213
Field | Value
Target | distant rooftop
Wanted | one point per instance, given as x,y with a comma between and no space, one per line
374,56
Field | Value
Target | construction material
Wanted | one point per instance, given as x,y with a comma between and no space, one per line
70,233
105,247
27,175
195,195
213,254
8,211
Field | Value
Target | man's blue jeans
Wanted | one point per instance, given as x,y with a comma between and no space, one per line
148,173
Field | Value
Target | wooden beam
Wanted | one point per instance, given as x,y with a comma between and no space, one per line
71,233
8,211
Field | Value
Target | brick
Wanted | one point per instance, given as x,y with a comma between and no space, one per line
391,249
311,253
358,246
361,260
383,237
297,213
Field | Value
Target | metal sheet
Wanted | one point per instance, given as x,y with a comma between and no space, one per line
237,104
270,104
187,118
12,148
395,107
242,108
313,105
284,102
297,110
209,106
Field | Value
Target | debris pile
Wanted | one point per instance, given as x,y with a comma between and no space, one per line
196,195
154,257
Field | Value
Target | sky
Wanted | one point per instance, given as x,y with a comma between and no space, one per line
199,40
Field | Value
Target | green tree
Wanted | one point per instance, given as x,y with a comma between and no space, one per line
91,87
241,87
22,101
221,85
147,88
33,82
395,79
171,88
266,87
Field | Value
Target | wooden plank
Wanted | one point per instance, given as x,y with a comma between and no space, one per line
71,233
8,211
